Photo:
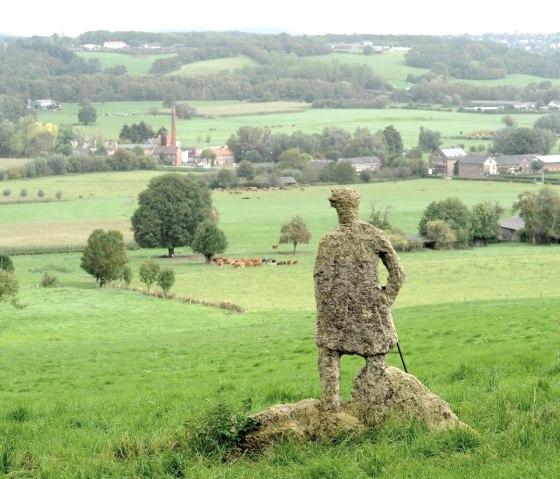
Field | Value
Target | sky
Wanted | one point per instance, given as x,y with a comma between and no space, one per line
429,17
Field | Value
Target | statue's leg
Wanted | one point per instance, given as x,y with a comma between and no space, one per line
371,384
329,372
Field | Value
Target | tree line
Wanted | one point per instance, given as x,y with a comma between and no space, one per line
49,68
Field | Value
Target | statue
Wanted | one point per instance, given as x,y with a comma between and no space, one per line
353,309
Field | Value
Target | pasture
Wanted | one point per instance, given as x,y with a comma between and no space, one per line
119,382
138,64
217,121
212,67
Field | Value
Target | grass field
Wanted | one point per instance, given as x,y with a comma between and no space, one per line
212,67
218,121
120,382
392,66
135,64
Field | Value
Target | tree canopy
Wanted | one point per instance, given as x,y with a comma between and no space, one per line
169,211
104,255
87,115
209,240
541,213
295,232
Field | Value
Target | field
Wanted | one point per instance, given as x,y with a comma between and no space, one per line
135,64
217,121
122,383
211,67
392,66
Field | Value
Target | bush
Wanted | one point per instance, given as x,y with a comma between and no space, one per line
9,285
218,432
58,195
149,272
127,274
41,194
23,192
48,280
6,263
7,192
166,279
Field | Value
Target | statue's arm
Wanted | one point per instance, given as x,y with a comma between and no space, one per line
392,263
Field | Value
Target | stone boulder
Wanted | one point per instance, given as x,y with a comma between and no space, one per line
306,420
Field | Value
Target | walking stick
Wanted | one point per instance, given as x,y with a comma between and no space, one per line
402,359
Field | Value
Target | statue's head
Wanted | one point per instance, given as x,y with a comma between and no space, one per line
346,201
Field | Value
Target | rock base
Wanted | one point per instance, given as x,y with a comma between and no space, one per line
405,396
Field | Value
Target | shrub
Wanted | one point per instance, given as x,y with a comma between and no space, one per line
58,195
166,279
7,192
127,274
48,280
9,285
23,192
6,263
218,432
149,272
41,194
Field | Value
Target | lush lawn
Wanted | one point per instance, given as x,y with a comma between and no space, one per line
114,380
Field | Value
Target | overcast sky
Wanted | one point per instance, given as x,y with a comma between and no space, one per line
72,17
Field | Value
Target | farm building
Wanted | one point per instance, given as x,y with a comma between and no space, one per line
510,226
442,160
551,162
514,164
477,167
114,45
43,105
363,163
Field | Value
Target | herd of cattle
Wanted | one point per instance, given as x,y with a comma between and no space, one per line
251,262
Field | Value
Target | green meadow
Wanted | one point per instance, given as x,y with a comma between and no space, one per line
138,64
217,121
211,67
111,383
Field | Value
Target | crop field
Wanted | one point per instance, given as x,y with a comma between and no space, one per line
122,384
135,64
217,121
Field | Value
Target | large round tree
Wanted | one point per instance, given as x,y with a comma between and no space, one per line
169,211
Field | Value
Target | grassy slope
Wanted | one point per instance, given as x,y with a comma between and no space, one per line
212,67
135,64
112,390
110,376
219,122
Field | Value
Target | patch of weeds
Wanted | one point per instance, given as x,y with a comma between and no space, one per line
132,448
19,414
48,280
554,370
463,372
218,432
281,396
6,457
453,441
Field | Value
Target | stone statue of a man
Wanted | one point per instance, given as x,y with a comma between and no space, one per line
353,309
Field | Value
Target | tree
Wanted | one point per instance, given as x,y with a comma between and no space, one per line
209,240
293,158
169,211
8,285
440,232
184,111
451,211
209,155
137,132
484,224
541,214
6,263
246,170
429,140
104,256
149,271
394,141
295,232
339,172
166,279
127,274
87,114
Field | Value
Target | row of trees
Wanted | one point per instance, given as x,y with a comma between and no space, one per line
450,222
